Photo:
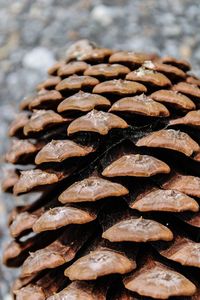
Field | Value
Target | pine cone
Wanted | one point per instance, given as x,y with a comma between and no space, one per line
111,141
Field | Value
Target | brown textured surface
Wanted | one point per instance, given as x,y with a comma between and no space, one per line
41,119
107,71
30,292
116,138
74,67
45,97
59,252
149,77
187,89
179,252
168,70
165,200
22,221
119,87
92,189
97,121
61,216
170,139
50,83
160,282
76,82
18,124
131,58
79,290
98,263
137,230
83,102
136,165
10,180
21,150
191,119
57,151
36,178
174,99
189,185
180,63
141,105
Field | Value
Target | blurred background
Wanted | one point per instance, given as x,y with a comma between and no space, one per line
33,33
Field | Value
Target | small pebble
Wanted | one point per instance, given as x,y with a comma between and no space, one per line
102,14
39,58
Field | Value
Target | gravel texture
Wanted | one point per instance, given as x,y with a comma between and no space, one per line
34,33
